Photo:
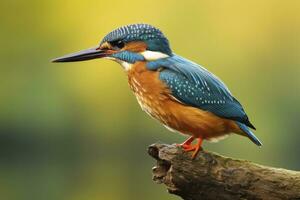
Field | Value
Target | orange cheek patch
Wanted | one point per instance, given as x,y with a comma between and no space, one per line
136,46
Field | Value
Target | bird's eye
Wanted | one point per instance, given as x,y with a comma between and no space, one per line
118,44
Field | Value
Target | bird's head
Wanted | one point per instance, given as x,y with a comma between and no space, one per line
126,45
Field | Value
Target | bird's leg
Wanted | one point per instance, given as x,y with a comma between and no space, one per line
197,147
187,144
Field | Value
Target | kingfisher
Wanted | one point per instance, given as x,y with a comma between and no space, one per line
182,95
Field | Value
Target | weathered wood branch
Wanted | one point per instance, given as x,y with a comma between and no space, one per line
211,176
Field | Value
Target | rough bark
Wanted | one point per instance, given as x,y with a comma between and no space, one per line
211,176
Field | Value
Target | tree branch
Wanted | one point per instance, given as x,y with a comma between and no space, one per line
211,176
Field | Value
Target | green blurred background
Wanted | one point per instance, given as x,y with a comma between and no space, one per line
75,131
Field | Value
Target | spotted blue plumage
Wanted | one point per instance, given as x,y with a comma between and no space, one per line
193,85
153,37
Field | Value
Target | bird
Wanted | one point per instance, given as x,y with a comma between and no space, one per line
182,95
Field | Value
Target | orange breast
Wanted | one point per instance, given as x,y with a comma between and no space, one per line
155,98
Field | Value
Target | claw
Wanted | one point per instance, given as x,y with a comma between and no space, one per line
187,142
187,146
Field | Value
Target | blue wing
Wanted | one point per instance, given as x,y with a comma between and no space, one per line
195,86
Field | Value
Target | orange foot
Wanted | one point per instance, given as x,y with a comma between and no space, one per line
187,146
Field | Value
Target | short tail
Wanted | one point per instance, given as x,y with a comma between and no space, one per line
249,133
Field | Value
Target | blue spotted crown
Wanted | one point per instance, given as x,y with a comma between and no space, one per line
153,37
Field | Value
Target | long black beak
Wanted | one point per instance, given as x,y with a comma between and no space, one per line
87,54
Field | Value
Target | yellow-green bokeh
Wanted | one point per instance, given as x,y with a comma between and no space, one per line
75,132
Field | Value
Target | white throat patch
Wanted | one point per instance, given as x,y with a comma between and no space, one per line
127,66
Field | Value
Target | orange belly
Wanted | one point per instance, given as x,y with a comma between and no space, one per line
155,98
